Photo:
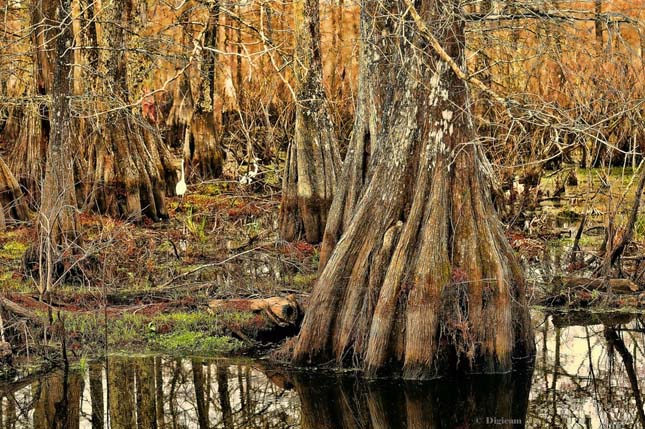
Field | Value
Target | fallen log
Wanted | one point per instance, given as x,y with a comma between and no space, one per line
583,292
588,318
599,284
19,310
272,320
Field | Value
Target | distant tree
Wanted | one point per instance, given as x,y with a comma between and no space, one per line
124,168
195,118
417,275
313,159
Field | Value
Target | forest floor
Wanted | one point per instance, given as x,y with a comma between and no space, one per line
147,287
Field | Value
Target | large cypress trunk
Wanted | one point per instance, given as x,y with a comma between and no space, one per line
313,158
417,275
124,168
28,125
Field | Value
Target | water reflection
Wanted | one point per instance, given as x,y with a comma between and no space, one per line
586,376
475,402
587,372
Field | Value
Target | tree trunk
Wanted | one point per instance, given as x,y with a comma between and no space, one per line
422,279
28,153
125,168
195,118
57,224
12,202
313,159
598,24
28,127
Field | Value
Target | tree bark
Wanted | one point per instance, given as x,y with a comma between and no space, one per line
28,154
313,159
125,168
29,125
12,202
57,223
422,279
195,118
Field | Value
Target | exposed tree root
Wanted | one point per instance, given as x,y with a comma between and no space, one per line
126,169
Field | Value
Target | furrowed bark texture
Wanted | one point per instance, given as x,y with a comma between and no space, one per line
195,118
313,158
421,279
28,154
57,220
28,126
124,169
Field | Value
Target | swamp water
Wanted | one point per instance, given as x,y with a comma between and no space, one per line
587,375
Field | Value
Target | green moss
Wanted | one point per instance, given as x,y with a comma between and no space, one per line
303,281
128,330
13,250
11,284
194,321
216,188
189,332
234,317
197,343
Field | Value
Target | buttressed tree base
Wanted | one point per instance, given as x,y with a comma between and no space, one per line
417,275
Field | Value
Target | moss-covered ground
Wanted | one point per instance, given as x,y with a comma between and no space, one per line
145,287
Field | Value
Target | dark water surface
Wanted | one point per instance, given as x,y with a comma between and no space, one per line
587,375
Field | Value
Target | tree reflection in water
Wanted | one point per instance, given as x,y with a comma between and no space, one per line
586,376
583,377
479,401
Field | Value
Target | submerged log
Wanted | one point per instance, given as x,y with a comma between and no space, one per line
588,318
19,310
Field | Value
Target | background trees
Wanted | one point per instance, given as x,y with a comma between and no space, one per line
313,159
146,84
